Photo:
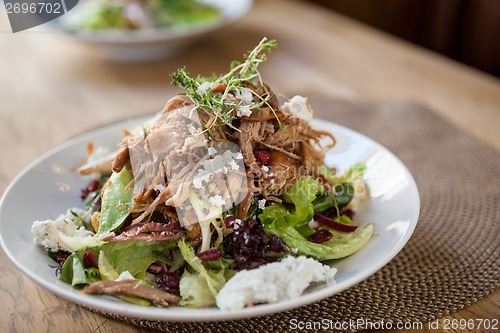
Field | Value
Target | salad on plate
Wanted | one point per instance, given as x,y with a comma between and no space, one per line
222,199
139,14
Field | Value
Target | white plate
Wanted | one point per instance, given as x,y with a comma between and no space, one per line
155,43
48,187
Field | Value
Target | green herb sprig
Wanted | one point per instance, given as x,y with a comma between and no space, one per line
221,106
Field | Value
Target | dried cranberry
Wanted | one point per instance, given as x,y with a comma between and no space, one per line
331,212
274,243
210,255
262,157
165,280
60,256
322,179
320,236
349,213
92,187
168,282
89,260
250,245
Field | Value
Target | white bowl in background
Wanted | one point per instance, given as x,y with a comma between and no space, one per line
155,43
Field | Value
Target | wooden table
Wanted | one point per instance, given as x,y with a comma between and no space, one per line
51,90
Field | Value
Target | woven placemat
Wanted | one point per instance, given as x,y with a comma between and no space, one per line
452,259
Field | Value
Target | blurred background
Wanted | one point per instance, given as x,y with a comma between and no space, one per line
465,30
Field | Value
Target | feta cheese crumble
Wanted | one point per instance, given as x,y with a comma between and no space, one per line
217,200
298,106
219,163
211,151
244,110
237,224
262,203
206,87
55,234
273,282
125,275
243,94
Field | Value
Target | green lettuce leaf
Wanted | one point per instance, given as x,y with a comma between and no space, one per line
73,271
107,272
292,226
105,269
302,194
198,289
355,172
134,256
75,243
337,249
116,201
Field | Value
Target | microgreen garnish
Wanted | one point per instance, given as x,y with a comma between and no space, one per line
232,98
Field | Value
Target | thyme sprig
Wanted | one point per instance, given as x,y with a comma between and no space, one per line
224,106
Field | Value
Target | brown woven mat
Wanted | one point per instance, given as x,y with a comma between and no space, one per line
451,261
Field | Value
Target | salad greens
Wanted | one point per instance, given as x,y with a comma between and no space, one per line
147,241
292,225
134,256
200,288
116,201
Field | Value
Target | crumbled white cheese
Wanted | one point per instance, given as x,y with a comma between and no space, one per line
233,166
212,151
217,200
125,275
219,163
237,224
273,282
201,177
243,94
206,86
298,106
262,203
265,168
244,111
313,224
50,233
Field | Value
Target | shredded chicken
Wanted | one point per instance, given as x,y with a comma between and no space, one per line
99,164
150,231
227,146
165,154
131,288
